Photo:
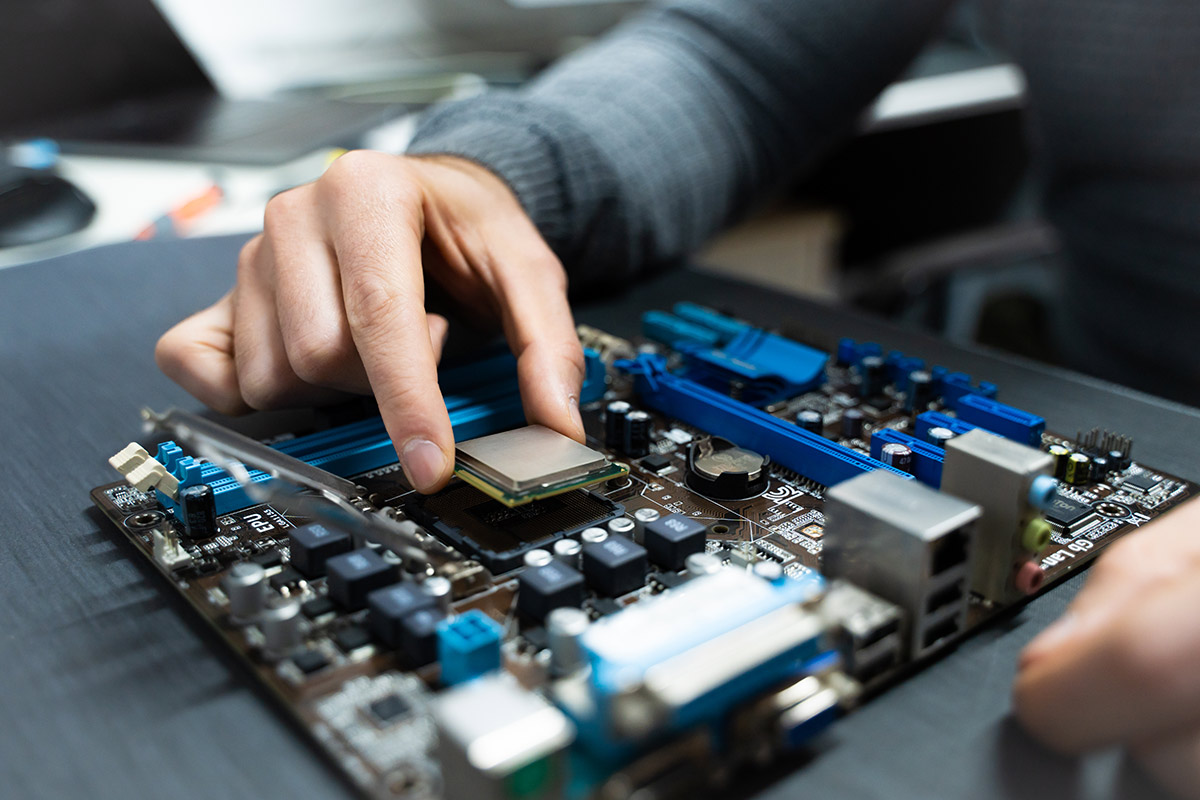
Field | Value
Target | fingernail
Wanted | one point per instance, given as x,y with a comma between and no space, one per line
423,463
576,417
1062,629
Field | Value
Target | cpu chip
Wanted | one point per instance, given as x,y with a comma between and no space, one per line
526,464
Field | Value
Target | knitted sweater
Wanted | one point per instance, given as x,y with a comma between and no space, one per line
632,152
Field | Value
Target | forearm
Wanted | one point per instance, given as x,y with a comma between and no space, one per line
635,150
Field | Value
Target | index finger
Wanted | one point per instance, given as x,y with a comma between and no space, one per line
377,241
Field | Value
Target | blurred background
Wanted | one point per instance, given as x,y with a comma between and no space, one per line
124,119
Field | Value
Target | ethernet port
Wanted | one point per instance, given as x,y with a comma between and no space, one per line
946,596
949,552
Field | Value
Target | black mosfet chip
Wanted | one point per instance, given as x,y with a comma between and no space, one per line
309,661
1065,513
389,708
351,638
317,607
1141,483
285,577
615,566
655,462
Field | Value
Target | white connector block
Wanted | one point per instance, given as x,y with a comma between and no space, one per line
143,471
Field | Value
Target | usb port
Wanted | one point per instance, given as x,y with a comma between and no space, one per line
948,552
943,629
946,596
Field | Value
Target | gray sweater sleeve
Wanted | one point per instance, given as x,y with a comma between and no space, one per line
635,150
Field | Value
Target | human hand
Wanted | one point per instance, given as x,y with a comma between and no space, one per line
330,299
1122,666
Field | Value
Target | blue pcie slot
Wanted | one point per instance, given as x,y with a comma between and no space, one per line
950,386
808,454
928,459
489,405
720,352
936,419
1003,420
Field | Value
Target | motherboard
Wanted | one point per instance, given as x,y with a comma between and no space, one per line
757,537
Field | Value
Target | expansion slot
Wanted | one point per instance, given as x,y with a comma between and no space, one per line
809,454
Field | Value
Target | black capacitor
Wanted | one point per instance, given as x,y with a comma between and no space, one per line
616,428
852,423
873,371
637,443
1118,461
920,391
199,507
811,421
897,455
1100,468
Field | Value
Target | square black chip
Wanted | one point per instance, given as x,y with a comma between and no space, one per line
1067,514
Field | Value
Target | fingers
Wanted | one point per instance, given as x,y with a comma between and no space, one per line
1128,679
1174,761
540,330
265,375
308,296
1127,569
378,246
198,355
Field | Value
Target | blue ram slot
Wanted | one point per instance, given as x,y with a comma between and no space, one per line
1004,420
808,454
490,405
953,385
721,352
673,331
725,327
928,459
936,419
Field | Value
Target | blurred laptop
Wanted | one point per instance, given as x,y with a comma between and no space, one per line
258,81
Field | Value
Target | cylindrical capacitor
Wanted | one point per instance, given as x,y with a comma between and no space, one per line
873,372
641,518
939,436
282,628
1079,469
920,391
897,455
638,439
1118,461
564,629
622,526
441,590
245,585
199,509
568,551
811,421
852,424
538,558
615,426
698,564
1100,468
593,535
1061,455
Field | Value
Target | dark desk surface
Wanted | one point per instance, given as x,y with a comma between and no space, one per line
110,688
